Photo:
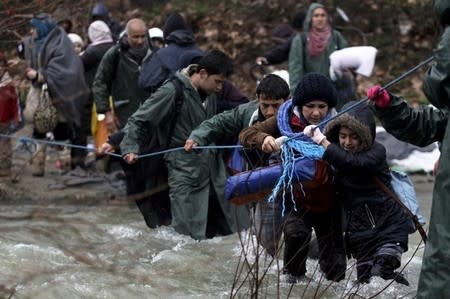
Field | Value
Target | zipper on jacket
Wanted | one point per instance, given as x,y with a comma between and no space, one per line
370,216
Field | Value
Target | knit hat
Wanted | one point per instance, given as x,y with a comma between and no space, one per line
313,87
174,22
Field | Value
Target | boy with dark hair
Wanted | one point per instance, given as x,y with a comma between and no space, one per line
224,128
196,179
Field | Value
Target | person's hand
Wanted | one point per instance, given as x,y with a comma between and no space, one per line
314,133
380,97
105,148
436,167
261,60
111,122
270,145
189,145
31,74
281,140
130,158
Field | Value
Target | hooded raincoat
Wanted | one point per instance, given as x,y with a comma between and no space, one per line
192,177
301,62
423,126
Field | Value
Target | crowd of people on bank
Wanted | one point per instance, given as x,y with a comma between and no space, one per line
155,88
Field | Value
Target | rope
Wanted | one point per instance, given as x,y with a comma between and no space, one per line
296,144
365,99
292,151
26,141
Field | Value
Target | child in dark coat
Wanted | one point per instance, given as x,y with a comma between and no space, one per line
377,227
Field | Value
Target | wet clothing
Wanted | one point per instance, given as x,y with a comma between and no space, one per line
56,60
300,60
223,129
195,179
373,218
422,126
297,225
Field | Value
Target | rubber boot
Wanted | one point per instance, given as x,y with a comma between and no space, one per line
38,161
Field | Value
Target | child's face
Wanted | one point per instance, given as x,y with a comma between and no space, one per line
349,140
315,111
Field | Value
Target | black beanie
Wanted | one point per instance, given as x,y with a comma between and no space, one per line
174,22
313,87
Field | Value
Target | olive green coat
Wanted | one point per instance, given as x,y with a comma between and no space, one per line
421,127
191,176
301,63
117,76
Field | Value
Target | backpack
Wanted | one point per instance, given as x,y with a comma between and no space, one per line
404,189
405,195
150,80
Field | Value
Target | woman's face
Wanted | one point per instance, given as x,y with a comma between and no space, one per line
319,18
315,111
349,140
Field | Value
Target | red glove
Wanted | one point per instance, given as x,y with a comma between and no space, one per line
381,98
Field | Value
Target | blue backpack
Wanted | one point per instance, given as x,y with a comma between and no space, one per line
405,195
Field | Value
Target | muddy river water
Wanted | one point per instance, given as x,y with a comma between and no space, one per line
106,251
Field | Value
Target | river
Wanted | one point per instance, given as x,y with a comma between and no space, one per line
104,250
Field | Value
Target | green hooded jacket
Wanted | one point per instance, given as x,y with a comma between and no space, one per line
423,126
117,76
300,62
191,176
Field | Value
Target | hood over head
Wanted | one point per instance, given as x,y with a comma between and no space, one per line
174,22
442,8
99,32
360,119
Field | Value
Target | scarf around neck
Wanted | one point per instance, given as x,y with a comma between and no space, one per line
318,40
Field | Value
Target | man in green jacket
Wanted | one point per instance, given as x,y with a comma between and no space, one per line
117,76
224,128
196,180
423,126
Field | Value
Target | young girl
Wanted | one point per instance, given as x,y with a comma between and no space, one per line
377,227
312,102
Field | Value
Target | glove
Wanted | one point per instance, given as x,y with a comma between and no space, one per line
314,133
281,140
381,98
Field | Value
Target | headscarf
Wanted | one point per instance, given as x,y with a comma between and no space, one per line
99,33
43,24
317,38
